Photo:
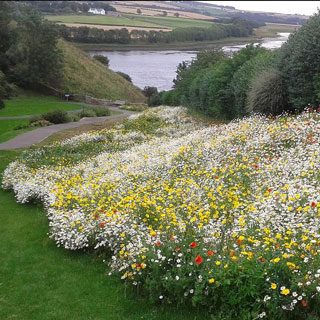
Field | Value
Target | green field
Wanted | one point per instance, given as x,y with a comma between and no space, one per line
132,20
9,128
271,30
35,104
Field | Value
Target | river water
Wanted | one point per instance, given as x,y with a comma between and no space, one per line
158,68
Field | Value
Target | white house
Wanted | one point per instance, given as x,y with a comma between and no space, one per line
97,11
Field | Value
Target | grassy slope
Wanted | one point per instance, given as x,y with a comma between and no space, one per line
83,74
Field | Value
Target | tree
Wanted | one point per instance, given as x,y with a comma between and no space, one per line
34,55
164,13
103,59
149,91
176,14
299,64
139,11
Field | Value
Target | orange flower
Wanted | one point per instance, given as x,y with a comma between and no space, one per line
239,241
198,259
102,224
158,243
210,253
193,245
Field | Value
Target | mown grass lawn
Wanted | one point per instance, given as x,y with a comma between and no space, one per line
9,128
35,104
39,281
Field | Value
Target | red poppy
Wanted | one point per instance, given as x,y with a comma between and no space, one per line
239,241
313,204
232,254
198,259
262,260
139,265
115,211
304,303
210,253
193,245
158,243
102,224
178,249
278,245
96,216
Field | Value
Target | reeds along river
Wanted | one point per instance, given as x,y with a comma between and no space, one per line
158,68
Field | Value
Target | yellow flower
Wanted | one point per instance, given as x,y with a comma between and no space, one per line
211,280
285,292
218,263
273,286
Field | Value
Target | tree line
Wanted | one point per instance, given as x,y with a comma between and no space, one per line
253,80
234,28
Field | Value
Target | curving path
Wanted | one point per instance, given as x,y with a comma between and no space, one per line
35,136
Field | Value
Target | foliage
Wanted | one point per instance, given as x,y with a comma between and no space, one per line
56,116
244,76
149,91
34,56
103,59
299,65
209,89
125,76
267,93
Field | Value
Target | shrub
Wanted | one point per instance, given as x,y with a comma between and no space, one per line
34,119
171,98
154,100
74,117
149,91
1,104
56,116
267,93
124,75
88,113
104,60
242,78
101,111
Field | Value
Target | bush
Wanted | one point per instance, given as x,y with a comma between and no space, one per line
101,111
149,91
267,93
171,98
104,60
74,117
88,113
124,75
56,116
1,104
154,100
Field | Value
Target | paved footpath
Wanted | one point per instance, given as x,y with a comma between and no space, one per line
35,136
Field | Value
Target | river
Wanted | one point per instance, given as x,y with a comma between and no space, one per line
158,68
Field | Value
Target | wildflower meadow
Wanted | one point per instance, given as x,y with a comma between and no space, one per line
224,217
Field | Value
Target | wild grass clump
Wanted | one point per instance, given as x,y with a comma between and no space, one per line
267,93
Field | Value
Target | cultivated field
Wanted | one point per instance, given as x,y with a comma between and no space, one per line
130,20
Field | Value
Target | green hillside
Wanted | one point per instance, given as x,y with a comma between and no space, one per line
83,74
